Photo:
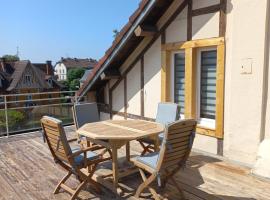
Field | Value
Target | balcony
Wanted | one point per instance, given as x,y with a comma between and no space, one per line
28,170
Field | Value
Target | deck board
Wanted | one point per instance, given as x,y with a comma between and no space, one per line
27,172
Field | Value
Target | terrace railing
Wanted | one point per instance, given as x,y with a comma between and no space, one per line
22,112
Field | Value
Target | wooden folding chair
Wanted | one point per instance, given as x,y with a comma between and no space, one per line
166,113
79,162
86,113
162,166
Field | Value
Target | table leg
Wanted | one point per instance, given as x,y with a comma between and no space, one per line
156,144
128,151
115,166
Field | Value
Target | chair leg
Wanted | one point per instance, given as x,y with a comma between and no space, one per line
77,191
145,184
170,176
64,179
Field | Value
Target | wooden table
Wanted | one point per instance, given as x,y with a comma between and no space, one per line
114,134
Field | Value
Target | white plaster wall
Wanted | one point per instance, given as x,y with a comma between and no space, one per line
134,90
118,98
177,30
205,143
104,116
204,3
243,93
205,26
117,117
152,79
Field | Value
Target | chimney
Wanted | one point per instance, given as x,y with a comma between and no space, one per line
49,67
2,64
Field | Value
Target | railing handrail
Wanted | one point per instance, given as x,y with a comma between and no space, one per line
63,101
36,93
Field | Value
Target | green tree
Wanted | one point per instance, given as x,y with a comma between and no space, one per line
73,78
11,58
74,84
14,118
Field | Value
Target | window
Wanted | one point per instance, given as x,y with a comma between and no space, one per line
192,75
178,89
27,79
50,82
206,89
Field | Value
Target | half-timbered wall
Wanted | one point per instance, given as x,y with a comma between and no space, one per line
141,87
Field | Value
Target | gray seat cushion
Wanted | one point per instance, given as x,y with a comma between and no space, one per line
79,160
150,159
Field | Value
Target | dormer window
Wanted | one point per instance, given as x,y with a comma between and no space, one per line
28,79
50,82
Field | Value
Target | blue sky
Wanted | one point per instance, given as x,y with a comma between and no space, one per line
51,29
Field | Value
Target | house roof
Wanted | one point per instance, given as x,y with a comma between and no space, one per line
70,63
148,12
12,73
86,74
47,67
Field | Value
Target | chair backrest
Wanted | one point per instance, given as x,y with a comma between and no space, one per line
85,113
177,143
167,113
56,138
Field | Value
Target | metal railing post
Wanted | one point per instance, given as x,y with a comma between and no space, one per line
6,114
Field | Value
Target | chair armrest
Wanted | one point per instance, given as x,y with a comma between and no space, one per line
77,153
72,140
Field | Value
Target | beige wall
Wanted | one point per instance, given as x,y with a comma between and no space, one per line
204,3
243,92
152,79
134,90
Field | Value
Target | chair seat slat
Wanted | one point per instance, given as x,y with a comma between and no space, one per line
183,134
178,140
181,130
176,153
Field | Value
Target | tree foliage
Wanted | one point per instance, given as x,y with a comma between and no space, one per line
73,78
11,58
14,117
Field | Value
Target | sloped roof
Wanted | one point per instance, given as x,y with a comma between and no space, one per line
19,68
149,11
13,74
86,74
70,63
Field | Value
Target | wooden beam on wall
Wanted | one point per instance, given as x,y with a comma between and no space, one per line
145,30
142,86
206,10
222,18
110,74
220,91
176,46
110,100
125,97
189,20
165,76
190,83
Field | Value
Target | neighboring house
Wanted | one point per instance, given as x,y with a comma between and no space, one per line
210,57
65,64
25,77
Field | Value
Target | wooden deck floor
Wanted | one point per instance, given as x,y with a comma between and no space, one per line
28,172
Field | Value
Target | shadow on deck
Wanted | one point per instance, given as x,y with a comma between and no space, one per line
28,172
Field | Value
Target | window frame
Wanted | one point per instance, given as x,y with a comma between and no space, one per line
191,51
